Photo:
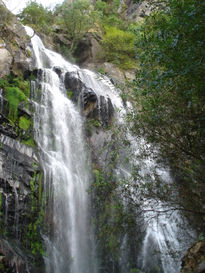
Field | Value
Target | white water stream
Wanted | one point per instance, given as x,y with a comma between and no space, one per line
58,128
58,132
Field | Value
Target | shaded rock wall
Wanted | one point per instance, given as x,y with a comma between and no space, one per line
21,178
194,259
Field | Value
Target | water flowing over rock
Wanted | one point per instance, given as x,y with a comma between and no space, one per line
66,170
58,126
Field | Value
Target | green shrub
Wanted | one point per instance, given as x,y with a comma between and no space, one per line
16,90
119,47
37,16
24,123
76,20
29,142
14,96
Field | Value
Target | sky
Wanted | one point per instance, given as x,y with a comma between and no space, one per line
15,6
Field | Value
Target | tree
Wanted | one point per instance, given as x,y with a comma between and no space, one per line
119,47
37,16
169,90
76,19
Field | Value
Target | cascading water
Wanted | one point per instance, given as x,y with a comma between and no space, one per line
58,128
58,132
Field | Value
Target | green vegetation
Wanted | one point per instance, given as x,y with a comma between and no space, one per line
24,123
38,17
73,21
75,18
29,142
37,216
169,92
5,16
16,90
119,47
69,93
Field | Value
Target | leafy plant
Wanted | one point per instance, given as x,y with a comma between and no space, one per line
14,96
119,47
16,90
24,123
37,16
76,19
169,94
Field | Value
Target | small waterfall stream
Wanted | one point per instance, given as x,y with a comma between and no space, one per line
58,132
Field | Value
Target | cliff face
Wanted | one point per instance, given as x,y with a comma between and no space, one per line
21,177
20,174
194,259
13,43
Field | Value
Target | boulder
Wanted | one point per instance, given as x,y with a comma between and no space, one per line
5,62
92,106
194,260
14,42
88,50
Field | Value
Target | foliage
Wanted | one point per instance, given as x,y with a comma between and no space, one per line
24,123
37,217
169,93
106,14
29,142
66,52
17,90
37,16
108,206
76,19
119,47
14,96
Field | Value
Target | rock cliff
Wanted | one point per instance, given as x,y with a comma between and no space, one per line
21,178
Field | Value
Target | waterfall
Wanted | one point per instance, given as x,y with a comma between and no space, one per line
58,132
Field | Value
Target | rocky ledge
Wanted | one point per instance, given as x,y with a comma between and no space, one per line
194,259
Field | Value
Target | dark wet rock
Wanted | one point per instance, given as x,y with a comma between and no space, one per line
194,259
73,84
6,128
19,195
100,108
10,260
58,70
19,203
87,50
87,96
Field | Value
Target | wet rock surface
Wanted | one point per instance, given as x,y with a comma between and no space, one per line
10,261
18,167
99,108
194,259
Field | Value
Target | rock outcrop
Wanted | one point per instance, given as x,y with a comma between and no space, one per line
194,259
99,108
13,44
21,178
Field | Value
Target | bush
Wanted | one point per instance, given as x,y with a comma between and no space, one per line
76,20
119,47
16,90
24,123
170,89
